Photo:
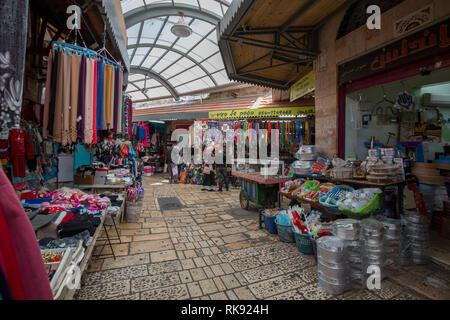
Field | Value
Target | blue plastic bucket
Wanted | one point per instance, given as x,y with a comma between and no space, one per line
269,223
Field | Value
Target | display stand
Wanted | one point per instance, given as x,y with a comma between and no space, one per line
352,182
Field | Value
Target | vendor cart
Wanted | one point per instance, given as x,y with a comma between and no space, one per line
258,189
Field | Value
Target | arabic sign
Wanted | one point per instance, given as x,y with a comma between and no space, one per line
261,113
303,86
420,44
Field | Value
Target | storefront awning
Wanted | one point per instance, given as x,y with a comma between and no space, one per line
272,43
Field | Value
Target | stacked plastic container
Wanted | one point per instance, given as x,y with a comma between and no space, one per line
392,243
416,240
149,171
373,247
349,231
332,265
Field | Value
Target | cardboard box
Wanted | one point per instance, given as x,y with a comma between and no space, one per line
79,179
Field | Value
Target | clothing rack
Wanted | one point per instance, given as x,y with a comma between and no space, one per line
67,47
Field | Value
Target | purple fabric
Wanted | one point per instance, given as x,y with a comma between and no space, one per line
130,117
116,99
28,254
81,99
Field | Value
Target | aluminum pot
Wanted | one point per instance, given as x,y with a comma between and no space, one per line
416,218
374,259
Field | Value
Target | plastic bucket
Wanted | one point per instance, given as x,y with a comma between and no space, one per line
304,244
269,223
286,233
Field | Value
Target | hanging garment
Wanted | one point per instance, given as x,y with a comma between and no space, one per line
13,41
123,114
59,100
74,85
21,148
47,94
28,254
94,103
65,133
111,109
116,99
99,94
54,83
108,96
119,103
81,99
104,125
89,107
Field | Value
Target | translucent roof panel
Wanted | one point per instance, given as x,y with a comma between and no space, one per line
182,65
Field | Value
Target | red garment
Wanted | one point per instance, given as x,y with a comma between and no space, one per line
10,267
30,265
21,147
67,217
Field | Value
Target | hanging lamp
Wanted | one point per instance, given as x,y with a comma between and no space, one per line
181,28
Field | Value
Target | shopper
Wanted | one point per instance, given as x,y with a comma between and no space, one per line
222,174
171,166
208,178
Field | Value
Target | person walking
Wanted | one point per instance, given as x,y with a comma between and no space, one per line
222,174
171,166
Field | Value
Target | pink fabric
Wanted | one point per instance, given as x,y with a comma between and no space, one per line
28,254
47,95
94,122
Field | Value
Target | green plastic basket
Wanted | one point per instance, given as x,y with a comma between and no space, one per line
370,208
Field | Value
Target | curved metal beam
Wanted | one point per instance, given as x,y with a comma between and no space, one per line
157,77
138,90
143,13
181,53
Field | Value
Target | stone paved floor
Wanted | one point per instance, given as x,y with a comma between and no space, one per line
210,249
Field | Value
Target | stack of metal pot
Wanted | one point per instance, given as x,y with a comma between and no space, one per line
416,242
372,236
332,265
392,243
349,231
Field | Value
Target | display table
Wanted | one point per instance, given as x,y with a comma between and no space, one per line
357,183
103,187
258,189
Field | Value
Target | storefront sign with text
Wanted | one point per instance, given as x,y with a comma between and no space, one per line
261,113
303,86
432,40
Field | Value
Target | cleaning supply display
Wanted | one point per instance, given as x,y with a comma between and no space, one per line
361,201
335,195
320,191
305,188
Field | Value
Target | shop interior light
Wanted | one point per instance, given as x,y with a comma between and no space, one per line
156,121
181,29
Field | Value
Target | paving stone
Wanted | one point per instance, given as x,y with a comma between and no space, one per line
190,254
245,263
150,246
230,281
271,287
163,267
208,286
135,296
290,295
178,292
217,270
312,292
104,290
198,274
185,276
243,293
126,261
219,284
152,282
92,278
188,264
163,255
231,295
219,296
199,262
146,237
194,289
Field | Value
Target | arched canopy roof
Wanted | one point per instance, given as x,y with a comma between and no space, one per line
165,64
